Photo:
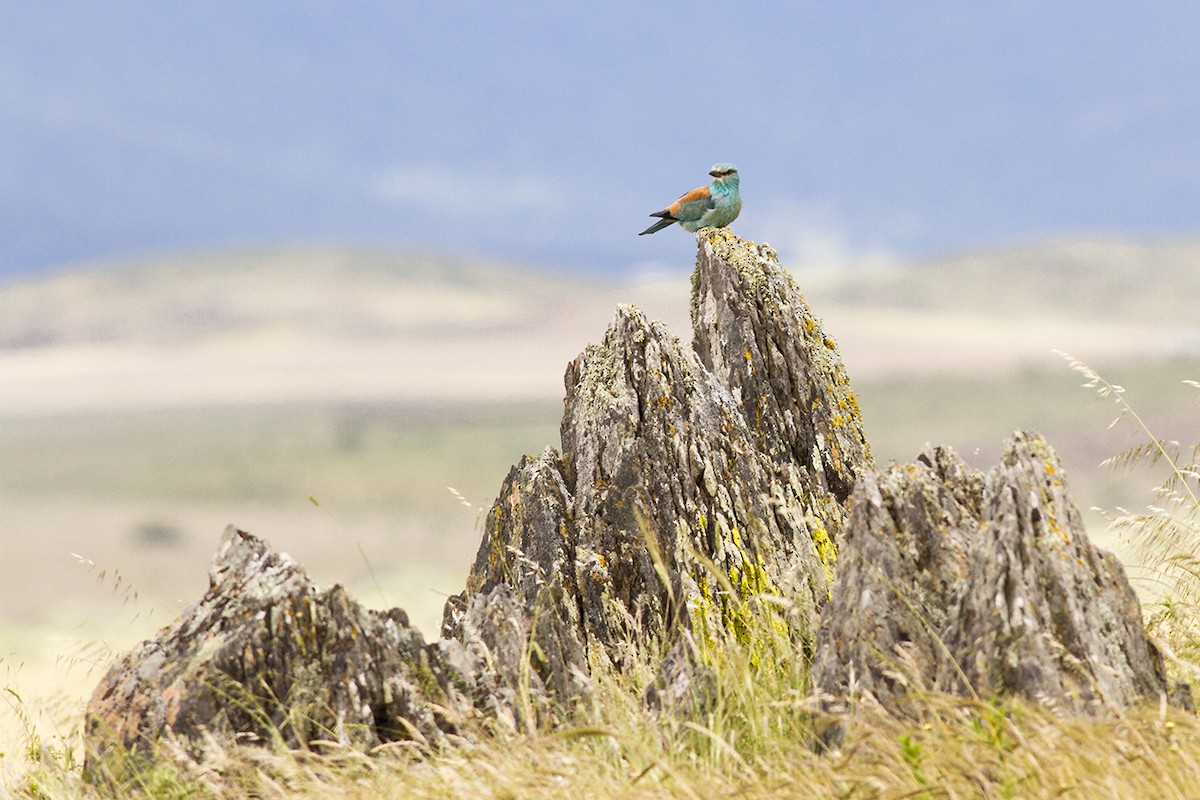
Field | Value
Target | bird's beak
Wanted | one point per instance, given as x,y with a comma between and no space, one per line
715,174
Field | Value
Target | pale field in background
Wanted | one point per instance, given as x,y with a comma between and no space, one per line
142,412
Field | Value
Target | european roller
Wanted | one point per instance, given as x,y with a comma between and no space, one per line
712,206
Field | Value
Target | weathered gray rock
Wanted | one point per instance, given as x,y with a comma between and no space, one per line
266,654
982,586
669,488
1043,613
685,492
662,516
520,609
902,560
520,664
754,331
685,686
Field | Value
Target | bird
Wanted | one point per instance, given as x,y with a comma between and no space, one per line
712,206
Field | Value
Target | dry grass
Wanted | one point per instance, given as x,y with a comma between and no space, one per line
762,739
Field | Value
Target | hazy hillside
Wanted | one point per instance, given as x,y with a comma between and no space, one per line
313,292
1113,280
304,324
297,324
354,294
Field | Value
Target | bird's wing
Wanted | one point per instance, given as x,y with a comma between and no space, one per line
692,205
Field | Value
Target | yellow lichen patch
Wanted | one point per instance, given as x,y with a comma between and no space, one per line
700,606
737,606
826,550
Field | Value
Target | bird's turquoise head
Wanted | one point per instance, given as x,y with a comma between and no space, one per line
724,175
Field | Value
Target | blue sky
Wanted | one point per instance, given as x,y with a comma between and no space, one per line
545,132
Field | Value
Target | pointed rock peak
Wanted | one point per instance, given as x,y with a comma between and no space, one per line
754,330
753,261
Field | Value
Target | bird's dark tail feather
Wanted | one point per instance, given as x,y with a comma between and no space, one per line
666,220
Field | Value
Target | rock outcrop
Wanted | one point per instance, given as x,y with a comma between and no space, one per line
1043,612
903,557
687,486
267,655
982,585
698,495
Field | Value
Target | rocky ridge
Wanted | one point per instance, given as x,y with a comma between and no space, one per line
698,494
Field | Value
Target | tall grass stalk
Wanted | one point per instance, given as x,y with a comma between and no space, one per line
1164,538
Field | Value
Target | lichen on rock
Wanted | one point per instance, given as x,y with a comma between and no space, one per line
1043,612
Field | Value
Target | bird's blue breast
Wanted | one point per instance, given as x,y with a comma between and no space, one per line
721,209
